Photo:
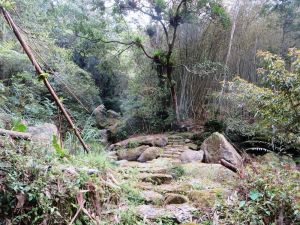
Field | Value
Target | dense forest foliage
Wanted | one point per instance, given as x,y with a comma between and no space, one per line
126,68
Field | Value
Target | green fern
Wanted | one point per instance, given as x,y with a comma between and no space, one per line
258,149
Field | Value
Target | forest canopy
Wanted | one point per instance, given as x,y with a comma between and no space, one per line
201,96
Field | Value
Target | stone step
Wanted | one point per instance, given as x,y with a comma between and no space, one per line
155,178
172,153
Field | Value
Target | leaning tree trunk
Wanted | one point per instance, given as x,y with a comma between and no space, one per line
41,74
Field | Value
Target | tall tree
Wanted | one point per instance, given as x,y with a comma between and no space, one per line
289,20
167,16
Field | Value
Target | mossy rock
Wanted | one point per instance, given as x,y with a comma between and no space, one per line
275,160
213,172
131,154
206,198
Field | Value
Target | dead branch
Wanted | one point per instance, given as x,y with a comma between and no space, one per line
15,134
228,165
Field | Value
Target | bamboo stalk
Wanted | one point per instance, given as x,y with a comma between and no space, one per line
40,72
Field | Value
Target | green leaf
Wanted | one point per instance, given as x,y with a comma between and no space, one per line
43,76
19,126
242,204
7,4
254,195
59,150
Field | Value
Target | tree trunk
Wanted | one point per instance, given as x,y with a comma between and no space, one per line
173,93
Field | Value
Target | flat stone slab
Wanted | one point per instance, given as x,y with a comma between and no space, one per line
159,140
152,196
179,212
158,178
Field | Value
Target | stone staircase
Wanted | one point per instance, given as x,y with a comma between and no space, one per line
177,144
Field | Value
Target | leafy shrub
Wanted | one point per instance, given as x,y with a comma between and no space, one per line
271,109
214,126
265,196
35,190
177,172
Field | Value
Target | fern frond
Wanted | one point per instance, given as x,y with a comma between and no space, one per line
257,142
258,149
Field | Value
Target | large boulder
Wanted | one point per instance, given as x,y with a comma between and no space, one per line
157,140
191,156
43,135
131,154
216,147
150,154
101,116
107,119
104,136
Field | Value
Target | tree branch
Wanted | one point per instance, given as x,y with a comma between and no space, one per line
171,46
104,41
143,49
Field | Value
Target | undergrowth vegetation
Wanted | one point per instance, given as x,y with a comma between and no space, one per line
49,189
268,194
268,112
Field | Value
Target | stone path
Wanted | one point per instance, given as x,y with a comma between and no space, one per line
170,189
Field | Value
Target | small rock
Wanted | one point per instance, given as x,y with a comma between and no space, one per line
122,162
152,196
192,146
191,156
150,154
113,114
187,140
172,198
70,170
112,154
131,154
92,171
183,212
216,147
152,212
103,136
156,178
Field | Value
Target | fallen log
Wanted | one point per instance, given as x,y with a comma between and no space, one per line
15,134
228,165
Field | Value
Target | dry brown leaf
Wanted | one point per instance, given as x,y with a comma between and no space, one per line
21,200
